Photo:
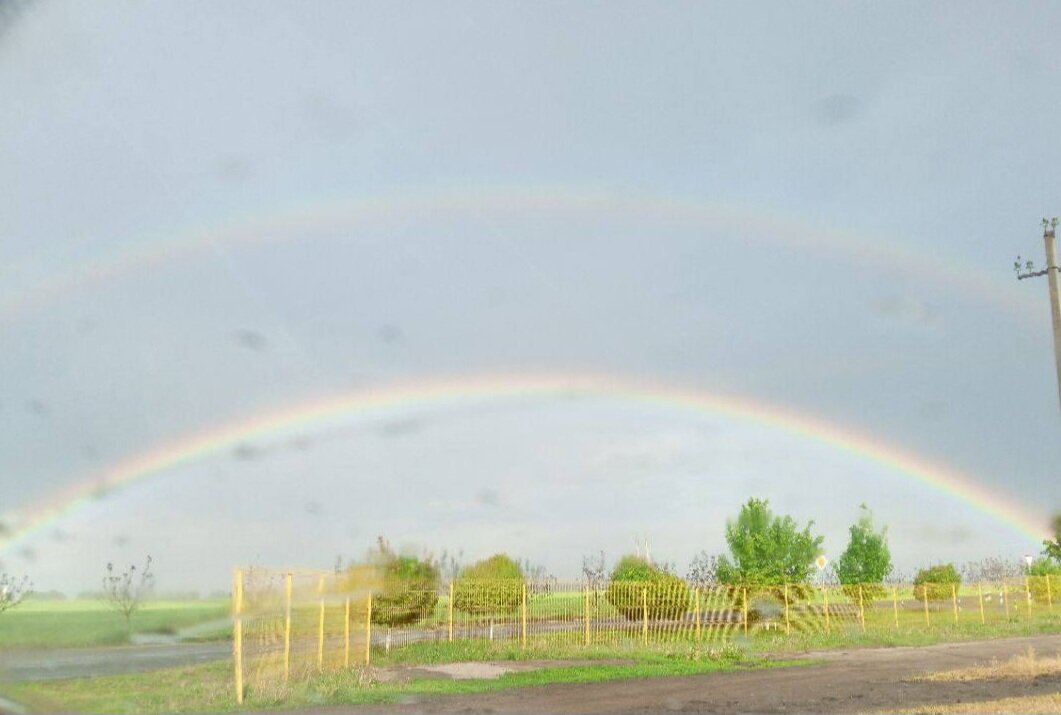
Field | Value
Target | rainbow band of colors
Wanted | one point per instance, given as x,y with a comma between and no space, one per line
335,409
343,216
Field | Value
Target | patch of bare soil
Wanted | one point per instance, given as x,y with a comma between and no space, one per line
475,670
863,680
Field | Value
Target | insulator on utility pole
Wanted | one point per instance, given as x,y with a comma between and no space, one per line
1051,271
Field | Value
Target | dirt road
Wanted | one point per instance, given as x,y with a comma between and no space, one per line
849,681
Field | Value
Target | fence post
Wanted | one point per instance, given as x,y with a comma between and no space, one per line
320,625
861,610
980,598
644,612
1005,600
346,636
523,619
237,638
745,609
586,593
954,601
1049,595
924,600
825,595
368,631
287,628
895,605
450,611
696,592
788,628
1028,593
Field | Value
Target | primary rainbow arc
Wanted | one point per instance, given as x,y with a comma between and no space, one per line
319,413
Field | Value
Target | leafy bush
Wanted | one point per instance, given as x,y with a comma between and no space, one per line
637,585
938,583
1041,570
494,585
409,588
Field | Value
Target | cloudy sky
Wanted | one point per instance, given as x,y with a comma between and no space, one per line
215,212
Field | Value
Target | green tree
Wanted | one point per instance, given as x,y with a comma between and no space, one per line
493,585
867,560
638,587
766,549
1052,547
937,583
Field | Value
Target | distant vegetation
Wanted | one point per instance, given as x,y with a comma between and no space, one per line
46,596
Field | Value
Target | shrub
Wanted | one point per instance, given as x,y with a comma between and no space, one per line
637,585
938,583
409,589
1041,570
494,585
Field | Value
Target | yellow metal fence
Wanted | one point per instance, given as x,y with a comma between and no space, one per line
293,624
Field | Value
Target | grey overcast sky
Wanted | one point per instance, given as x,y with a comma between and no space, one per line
217,211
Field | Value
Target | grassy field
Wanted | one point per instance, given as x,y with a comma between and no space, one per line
208,688
46,624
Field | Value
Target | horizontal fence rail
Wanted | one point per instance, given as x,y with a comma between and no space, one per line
295,624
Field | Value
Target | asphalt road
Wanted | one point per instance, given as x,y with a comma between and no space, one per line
51,664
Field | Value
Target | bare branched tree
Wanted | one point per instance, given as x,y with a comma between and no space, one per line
126,591
539,581
594,571
993,568
449,565
703,570
13,591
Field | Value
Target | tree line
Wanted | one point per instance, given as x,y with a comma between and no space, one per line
770,556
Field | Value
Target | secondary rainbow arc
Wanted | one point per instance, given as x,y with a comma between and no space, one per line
308,217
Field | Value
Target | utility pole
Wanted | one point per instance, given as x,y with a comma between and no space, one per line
1027,270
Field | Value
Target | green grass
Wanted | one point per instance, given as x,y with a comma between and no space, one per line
47,624
911,632
208,688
